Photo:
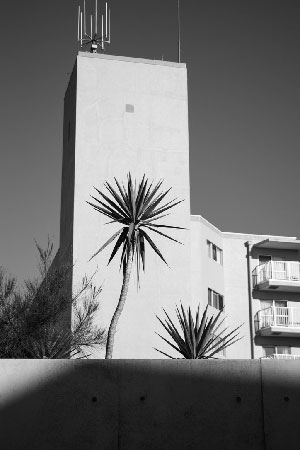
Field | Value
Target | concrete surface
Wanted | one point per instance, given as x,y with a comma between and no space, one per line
149,404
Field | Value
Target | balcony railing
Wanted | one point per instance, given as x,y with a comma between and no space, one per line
277,316
281,356
276,270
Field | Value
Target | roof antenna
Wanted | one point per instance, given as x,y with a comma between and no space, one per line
179,44
96,40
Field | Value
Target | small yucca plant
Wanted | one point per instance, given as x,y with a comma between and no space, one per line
200,339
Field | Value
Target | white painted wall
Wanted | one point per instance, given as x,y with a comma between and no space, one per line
206,273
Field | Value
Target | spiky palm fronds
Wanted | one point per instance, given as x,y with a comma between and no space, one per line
200,339
137,208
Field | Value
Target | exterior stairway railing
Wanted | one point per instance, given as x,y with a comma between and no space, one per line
281,356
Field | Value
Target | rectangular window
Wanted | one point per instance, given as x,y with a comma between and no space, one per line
215,299
274,312
283,350
269,351
215,252
277,303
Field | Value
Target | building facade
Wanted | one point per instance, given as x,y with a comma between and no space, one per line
256,278
126,115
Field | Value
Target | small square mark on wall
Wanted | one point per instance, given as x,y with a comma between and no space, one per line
129,108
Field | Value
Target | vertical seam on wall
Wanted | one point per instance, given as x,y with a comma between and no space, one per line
119,408
262,405
249,276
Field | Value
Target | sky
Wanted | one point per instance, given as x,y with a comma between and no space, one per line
243,67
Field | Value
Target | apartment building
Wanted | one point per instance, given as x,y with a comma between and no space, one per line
256,278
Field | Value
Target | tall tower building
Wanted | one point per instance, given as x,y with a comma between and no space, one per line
126,115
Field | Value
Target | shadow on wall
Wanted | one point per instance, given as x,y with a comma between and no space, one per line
149,404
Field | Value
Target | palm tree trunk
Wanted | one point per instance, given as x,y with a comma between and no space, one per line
114,321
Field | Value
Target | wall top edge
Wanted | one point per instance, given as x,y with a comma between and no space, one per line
199,218
257,236
130,59
246,236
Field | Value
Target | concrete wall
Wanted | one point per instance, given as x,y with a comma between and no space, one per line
229,279
236,291
148,137
139,405
205,272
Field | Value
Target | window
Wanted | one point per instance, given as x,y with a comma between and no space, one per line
215,299
277,303
266,258
263,259
274,312
269,350
283,350
215,252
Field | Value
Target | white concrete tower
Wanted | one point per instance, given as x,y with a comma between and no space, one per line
124,114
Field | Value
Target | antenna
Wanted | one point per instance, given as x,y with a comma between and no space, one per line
88,37
179,44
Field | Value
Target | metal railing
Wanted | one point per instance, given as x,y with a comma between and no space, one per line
281,356
276,270
277,316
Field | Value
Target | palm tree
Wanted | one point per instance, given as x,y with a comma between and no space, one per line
200,340
136,208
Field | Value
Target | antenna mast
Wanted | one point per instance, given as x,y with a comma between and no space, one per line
179,44
86,37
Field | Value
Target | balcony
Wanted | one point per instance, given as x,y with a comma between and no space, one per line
279,275
278,321
281,356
